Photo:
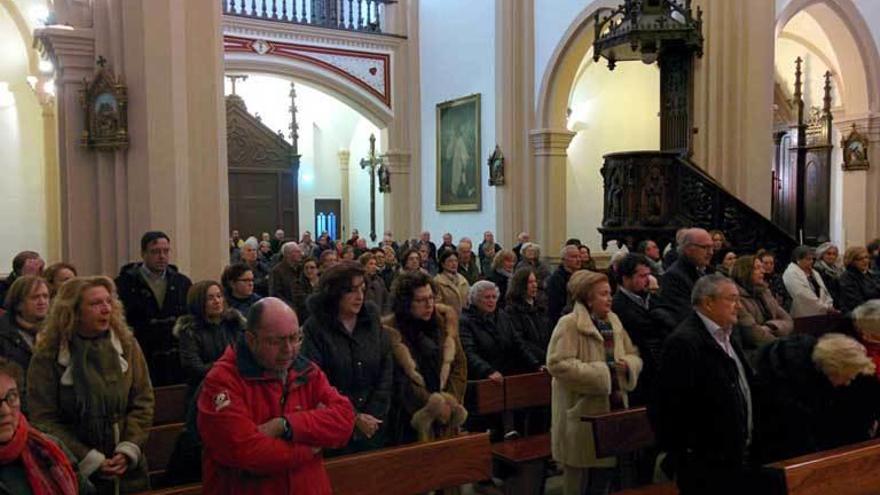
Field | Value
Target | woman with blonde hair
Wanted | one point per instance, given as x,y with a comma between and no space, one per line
857,285
89,386
502,271
814,394
594,364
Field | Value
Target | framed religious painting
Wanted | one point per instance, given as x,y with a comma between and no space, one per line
458,154
105,102
855,151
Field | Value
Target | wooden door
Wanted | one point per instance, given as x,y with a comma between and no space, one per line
784,191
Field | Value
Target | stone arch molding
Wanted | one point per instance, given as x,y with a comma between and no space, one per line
851,39
563,66
361,79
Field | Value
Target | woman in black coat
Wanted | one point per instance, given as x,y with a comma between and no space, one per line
812,394
344,337
527,316
492,346
206,332
857,285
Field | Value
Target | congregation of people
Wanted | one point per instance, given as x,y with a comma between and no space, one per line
314,348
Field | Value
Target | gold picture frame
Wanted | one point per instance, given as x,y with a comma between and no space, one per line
105,108
459,186
855,151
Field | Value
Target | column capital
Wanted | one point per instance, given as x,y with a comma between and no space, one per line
72,51
867,124
344,159
550,142
398,161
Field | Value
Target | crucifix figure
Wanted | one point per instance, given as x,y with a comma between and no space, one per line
234,79
374,163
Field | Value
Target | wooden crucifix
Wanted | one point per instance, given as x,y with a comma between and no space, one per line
374,164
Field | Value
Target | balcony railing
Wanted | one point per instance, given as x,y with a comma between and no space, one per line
349,15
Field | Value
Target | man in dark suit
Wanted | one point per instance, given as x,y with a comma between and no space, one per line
673,302
557,284
703,412
632,303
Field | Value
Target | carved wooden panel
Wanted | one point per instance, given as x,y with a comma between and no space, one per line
649,195
263,168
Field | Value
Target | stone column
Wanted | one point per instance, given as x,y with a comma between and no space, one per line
173,176
733,98
861,204
549,148
400,141
344,191
399,203
515,201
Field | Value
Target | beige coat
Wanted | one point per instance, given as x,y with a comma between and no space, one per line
452,292
582,383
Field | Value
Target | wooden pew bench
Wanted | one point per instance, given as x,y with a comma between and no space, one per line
158,450
170,405
849,470
822,324
407,469
621,432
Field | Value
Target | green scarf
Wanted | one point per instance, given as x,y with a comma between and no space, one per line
101,397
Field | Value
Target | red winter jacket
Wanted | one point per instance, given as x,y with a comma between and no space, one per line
237,396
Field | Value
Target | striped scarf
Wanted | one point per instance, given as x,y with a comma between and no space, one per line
618,372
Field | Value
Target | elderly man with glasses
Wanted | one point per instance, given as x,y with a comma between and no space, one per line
265,411
694,257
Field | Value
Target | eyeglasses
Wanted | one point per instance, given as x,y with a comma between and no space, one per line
424,300
733,298
12,399
293,339
245,280
704,246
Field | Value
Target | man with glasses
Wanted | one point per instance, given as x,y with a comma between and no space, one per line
695,255
265,411
703,416
154,295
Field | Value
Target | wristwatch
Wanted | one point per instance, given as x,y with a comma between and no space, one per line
287,433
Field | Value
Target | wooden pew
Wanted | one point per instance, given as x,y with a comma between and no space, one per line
621,432
412,469
158,449
484,397
850,470
822,324
170,404
528,390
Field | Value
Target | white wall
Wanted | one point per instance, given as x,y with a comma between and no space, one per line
552,20
326,126
457,52
22,172
610,111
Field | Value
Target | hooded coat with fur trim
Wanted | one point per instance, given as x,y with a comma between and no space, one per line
411,389
582,383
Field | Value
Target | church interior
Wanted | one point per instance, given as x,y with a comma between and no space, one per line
363,130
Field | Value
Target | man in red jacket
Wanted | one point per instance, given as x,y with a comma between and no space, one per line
265,412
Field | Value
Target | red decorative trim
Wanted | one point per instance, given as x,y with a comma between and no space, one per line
294,51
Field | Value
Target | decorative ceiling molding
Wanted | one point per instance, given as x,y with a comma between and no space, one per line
369,70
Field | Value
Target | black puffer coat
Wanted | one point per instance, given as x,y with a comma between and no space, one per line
203,342
358,364
531,323
856,288
492,344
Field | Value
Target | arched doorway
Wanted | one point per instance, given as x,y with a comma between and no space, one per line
833,36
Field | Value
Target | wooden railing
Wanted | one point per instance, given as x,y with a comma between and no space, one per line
651,194
349,15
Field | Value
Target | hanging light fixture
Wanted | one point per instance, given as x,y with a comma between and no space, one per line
643,29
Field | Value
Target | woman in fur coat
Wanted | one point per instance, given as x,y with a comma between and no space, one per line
430,368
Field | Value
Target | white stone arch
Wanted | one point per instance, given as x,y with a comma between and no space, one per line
367,105
852,41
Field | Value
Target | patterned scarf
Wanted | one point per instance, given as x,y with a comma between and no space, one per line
101,397
47,468
618,372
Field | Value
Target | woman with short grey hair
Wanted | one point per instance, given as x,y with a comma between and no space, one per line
809,296
492,346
